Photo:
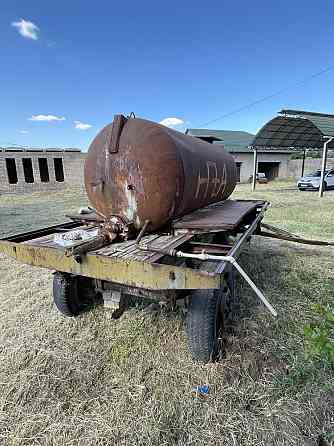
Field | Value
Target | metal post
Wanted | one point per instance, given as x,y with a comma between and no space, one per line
254,170
303,165
323,165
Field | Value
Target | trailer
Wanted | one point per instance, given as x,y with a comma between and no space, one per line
194,258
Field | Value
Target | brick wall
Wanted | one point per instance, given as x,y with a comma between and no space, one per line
73,164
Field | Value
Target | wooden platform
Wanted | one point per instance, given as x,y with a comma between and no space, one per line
127,250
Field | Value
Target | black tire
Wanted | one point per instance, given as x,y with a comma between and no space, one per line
211,313
65,294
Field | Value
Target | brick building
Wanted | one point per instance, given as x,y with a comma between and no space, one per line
29,170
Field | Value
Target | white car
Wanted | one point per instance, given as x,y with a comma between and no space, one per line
311,181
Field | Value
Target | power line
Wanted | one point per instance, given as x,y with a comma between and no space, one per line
265,98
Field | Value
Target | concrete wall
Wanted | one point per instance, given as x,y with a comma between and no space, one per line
295,166
246,160
73,163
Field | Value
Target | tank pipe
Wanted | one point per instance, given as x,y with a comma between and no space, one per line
205,256
242,272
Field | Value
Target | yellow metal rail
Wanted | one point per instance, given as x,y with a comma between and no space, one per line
135,273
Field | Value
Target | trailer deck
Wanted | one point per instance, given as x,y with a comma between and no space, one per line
126,263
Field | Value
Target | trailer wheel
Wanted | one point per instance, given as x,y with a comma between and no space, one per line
65,294
210,314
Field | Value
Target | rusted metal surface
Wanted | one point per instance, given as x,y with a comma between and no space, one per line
115,134
253,228
210,248
124,263
88,245
37,233
124,250
154,173
223,216
85,218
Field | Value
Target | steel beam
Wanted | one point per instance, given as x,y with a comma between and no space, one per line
303,164
152,276
323,165
254,170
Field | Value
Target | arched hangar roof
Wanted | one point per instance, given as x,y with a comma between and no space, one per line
295,129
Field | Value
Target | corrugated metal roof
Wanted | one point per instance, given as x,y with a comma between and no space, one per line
296,129
233,140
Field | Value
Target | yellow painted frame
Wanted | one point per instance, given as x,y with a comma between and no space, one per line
152,276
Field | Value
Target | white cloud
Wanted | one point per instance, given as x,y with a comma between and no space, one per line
48,118
27,29
24,132
81,126
171,122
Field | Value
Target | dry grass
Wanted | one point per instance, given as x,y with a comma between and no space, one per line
20,213
96,381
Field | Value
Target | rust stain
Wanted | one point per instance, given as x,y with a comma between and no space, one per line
140,170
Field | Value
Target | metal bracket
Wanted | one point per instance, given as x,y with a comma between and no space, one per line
115,133
114,300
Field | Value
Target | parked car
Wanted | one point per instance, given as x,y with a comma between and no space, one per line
311,181
260,178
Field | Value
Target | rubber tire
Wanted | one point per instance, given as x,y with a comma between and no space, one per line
201,323
65,294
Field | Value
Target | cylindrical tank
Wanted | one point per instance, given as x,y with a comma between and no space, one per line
139,170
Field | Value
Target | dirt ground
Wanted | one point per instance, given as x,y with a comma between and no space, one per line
96,381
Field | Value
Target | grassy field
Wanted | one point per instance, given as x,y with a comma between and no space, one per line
20,213
96,381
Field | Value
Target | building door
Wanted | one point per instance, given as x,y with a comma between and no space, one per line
238,171
270,169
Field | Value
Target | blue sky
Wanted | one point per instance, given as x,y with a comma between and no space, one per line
193,61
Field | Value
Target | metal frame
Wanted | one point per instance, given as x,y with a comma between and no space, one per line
254,170
253,227
315,127
323,164
133,273
153,276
